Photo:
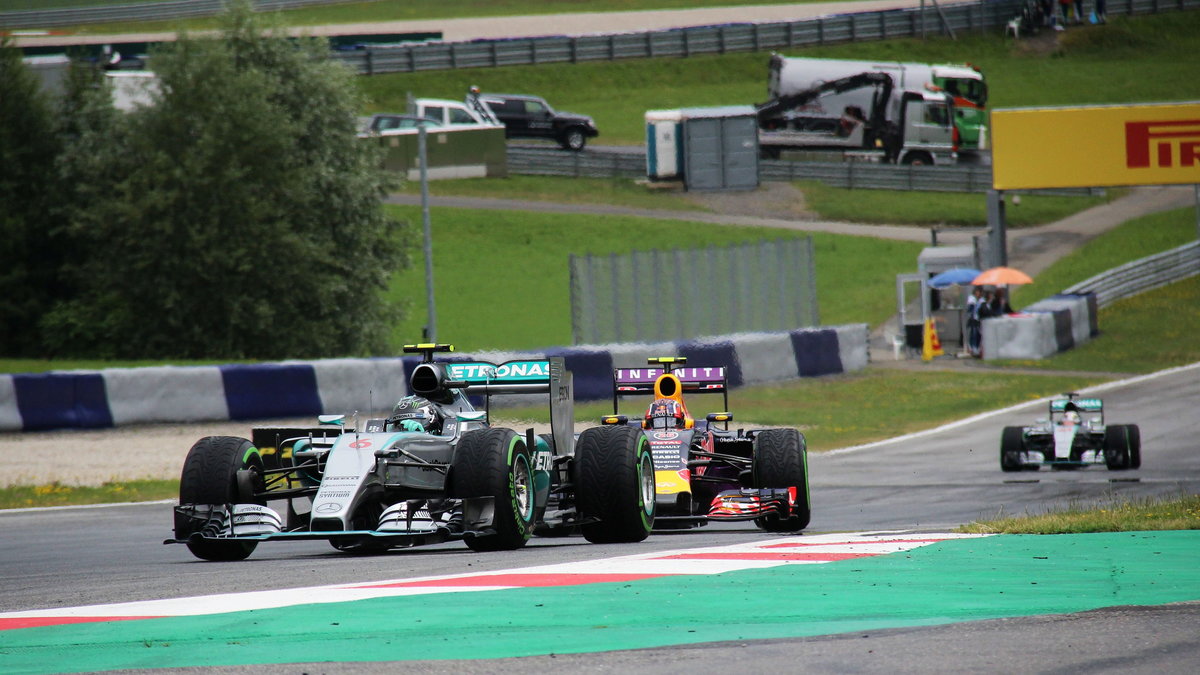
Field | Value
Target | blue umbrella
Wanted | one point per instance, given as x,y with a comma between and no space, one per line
959,276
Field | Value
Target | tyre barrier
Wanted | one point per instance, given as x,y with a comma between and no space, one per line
115,397
1046,327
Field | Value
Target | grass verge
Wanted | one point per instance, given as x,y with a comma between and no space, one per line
937,208
55,494
1118,515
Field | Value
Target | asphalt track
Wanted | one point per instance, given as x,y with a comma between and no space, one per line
926,483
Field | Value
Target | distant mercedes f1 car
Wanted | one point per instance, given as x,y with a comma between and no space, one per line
1074,435
704,471
435,470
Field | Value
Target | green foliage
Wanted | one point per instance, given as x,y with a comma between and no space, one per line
32,249
237,216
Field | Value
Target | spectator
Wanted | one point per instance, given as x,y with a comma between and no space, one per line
1079,12
975,304
999,304
1101,11
1064,6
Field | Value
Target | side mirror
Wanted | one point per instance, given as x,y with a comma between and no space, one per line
339,420
614,419
719,417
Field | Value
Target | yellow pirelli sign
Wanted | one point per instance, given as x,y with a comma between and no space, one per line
1153,144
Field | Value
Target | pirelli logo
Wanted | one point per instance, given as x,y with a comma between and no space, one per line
1096,146
1162,143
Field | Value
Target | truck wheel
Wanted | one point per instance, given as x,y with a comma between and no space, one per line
781,461
495,463
1012,442
614,483
573,139
1117,455
918,159
211,476
1135,445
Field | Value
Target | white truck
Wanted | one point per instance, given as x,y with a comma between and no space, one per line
965,83
454,114
872,120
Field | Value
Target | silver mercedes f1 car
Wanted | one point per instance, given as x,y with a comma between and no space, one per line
1072,436
434,471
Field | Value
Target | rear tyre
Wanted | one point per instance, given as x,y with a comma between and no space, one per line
781,461
210,476
1012,443
574,139
614,483
1117,455
495,463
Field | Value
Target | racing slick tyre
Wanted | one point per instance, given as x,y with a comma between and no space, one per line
219,470
1118,454
573,139
781,461
1012,442
614,482
495,463
1135,446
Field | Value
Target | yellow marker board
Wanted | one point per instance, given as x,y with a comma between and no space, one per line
1154,144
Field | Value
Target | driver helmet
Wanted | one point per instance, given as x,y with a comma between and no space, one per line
664,413
414,413
1071,417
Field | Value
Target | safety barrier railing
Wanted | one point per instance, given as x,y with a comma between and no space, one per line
631,163
1142,275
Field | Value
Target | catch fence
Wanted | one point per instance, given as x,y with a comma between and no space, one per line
677,294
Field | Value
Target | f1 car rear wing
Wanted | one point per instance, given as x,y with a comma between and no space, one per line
546,376
703,380
1081,404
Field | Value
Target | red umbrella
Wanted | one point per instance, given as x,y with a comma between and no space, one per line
1001,276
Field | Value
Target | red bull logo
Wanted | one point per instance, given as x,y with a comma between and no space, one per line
1169,143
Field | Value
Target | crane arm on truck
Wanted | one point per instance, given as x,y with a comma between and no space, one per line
775,107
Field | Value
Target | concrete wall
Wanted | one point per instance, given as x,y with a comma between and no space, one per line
1042,329
120,396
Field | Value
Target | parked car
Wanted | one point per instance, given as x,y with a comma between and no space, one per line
526,116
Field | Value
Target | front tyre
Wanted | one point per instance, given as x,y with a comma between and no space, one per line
615,484
211,477
1117,453
573,139
1012,442
495,463
781,461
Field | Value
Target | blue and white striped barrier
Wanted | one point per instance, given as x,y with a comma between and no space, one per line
120,396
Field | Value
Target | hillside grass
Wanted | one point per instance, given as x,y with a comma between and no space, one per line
1131,59
951,209
384,10
519,297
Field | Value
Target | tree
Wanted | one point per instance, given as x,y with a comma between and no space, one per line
31,252
238,216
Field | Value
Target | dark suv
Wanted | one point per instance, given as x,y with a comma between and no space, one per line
531,117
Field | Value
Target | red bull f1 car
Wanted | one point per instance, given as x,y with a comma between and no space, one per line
435,470
1074,435
704,471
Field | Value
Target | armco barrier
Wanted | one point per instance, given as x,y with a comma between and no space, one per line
122,396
